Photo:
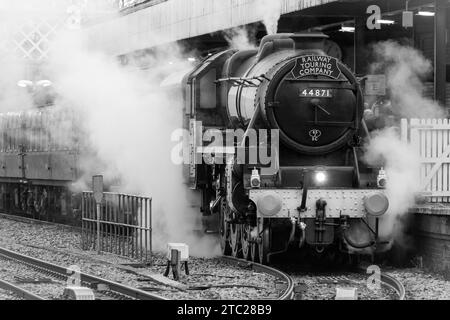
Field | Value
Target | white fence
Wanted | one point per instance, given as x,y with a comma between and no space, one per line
431,140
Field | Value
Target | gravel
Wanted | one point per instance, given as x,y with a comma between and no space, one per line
422,285
52,290
419,285
61,245
323,287
6,295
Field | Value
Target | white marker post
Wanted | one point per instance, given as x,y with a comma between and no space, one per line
177,253
97,187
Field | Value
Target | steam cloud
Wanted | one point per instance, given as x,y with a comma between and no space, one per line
271,13
239,38
404,67
12,97
242,38
402,165
128,120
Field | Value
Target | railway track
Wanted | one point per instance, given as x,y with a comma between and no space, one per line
36,221
287,290
286,284
394,284
18,291
313,286
106,287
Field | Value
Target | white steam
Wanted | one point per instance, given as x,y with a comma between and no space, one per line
402,166
404,67
242,38
239,38
127,122
270,10
13,97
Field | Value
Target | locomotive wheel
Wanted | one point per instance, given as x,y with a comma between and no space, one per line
245,240
224,231
264,246
235,240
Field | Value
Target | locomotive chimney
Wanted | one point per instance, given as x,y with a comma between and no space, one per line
309,41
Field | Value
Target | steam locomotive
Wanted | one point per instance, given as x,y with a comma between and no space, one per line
292,103
274,148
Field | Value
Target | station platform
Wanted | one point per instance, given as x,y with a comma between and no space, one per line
432,209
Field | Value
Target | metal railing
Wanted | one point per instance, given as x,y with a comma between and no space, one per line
124,224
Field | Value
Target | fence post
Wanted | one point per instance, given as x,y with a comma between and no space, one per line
404,130
97,187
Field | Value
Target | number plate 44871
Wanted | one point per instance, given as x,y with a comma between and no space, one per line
316,93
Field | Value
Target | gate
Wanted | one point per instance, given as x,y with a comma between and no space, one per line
430,138
125,225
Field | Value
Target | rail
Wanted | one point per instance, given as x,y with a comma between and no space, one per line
91,280
288,292
394,284
18,291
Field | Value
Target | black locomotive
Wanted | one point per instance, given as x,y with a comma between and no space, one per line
303,109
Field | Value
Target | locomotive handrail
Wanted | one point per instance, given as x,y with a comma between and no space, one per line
242,81
316,80
342,84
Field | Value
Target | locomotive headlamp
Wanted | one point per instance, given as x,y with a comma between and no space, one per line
255,179
320,177
368,114
382,179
